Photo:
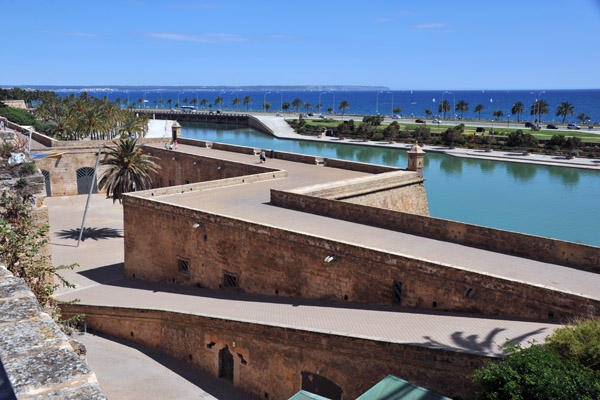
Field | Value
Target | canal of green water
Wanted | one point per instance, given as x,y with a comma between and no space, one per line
557,202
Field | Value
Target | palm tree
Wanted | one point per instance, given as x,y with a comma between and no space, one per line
478,109
583,117
428,112
134,126
127,169
154,101
307,106
444,107
517,109
498,113
318,107
247,101
267,106
297,103
185,101
538,108
236,102
204,103
219,101
285,106
140,102
169,102
462,106
564,108
162,103
343,106
177,105
194,102
118,100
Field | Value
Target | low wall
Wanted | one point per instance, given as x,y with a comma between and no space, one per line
37,357
177,168
358,166
574,255
273,261
269,361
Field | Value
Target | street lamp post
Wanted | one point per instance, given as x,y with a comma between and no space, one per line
508,121
178,93
537,105
144,101
320,99
377,103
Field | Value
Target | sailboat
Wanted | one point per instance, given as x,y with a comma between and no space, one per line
412,101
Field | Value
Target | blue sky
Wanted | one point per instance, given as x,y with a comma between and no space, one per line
526,44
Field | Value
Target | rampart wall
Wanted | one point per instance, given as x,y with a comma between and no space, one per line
269,361
219,250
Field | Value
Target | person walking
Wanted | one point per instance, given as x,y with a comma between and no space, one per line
263,157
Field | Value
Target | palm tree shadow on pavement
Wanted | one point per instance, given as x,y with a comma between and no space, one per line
90,233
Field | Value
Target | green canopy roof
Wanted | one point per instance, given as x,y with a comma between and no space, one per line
392,388
304,395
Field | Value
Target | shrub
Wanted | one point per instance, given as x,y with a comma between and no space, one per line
365,130
6,148
518,139
377,136
573,143
453,135
422,133
374,120
17,116
579,340
28,168
536,373
21,183
556,141
346,128
392,130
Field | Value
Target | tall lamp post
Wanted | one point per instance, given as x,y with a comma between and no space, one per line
377,103
144,101
178,93
537,105
508,121
320,99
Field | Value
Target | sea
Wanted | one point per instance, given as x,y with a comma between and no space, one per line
364,102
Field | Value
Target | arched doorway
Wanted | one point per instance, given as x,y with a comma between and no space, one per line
85,176
226,364
47,182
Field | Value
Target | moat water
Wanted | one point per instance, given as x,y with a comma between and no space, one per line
562,203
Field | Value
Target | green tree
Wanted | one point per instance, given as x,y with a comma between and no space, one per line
461,106
428,112
453,134
128,169
307,106
194,101
247,101
583,117
162,103
237,102
343,106
478,109
169,102
517,109
330,110
219,101
391,131
538,108
134,126
498,113
535,373
285,106
579,340
204,103
296,103
444,107
266,106
564,108
318,107
397,110
185,101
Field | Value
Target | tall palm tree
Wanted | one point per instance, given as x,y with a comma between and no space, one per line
194,102
266,106
219,101
247,101
154,101
307,106
134,126
162,103
538,108
564,108
204,103
444,107
297,103
169,102
127,169
428,112
185,101
318,107
343,106
462,106
498,113
517,109
237,102
285,106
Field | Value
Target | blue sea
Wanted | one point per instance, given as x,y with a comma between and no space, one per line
412,103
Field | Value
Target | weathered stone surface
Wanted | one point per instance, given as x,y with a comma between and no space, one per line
29,336
18,309
85,392
13,287
45,369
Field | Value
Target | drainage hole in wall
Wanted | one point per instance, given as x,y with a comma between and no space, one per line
210,345
131,333
190,356
277,292
345,297
266,395
133,275
550,314
469,292
434,304
205,238
243,360
230,281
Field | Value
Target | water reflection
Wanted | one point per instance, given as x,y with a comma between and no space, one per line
521,172
568,176
487,166
451,165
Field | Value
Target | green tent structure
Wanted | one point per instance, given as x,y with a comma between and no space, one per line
390,388
393,388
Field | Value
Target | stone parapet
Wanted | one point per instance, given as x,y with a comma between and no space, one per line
38,359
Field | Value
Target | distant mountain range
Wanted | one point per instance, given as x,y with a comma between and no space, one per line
99,88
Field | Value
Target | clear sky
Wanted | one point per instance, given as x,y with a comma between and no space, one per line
436,44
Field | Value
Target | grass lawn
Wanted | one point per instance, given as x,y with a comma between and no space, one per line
542,134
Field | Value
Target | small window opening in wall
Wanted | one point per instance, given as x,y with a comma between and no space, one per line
230,281
210,345
190,356
243,360
346,297
277,292
187,182
434,304
205,237
469,292
131,333
170,184
266,396
397,292
550,314
184,266
133,275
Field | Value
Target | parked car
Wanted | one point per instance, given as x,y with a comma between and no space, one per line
480,129
322,116
395,116
528,124
279,115
419,121
436,121
551,126
304,115
310,114
573,126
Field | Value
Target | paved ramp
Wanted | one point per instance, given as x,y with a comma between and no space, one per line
279,127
